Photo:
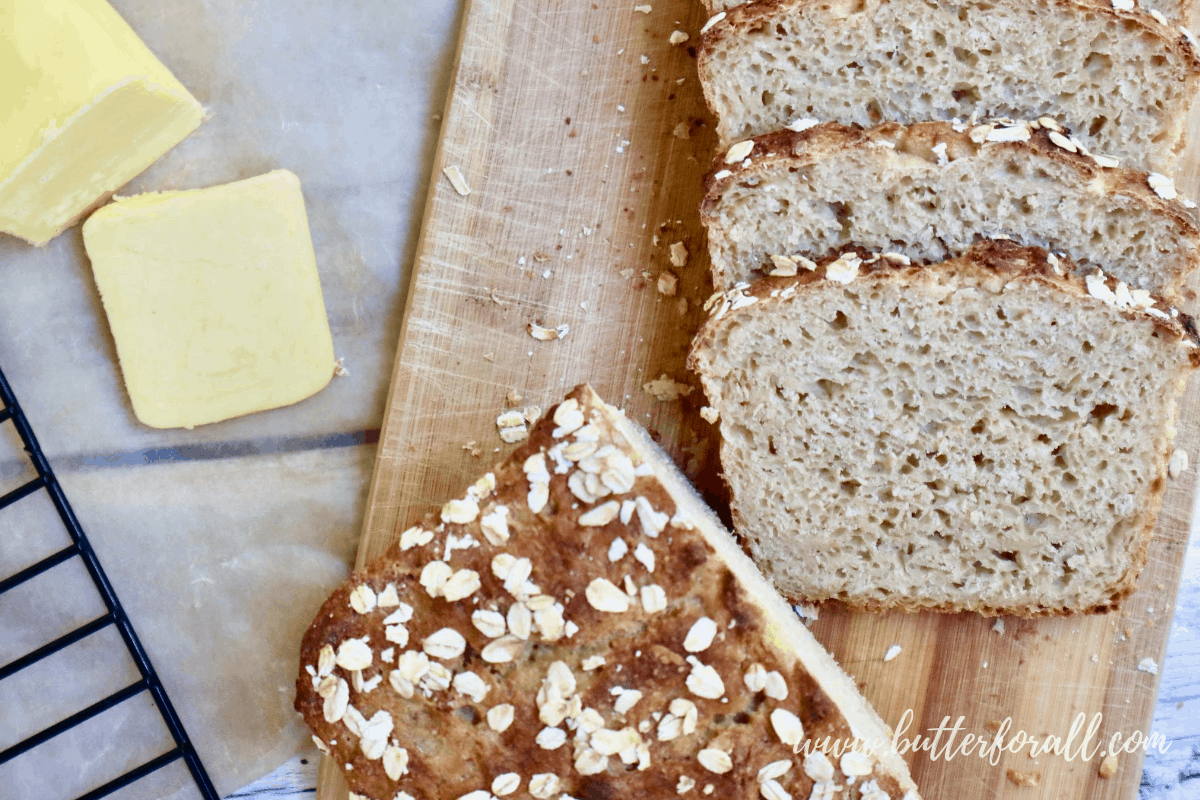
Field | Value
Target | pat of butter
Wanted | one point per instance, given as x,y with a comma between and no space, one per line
84,107
213,299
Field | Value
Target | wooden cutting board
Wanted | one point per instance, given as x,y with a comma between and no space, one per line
582,134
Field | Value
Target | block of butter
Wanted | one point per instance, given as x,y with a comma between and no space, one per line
84,107
213,299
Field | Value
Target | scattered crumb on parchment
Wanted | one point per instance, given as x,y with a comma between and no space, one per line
339,368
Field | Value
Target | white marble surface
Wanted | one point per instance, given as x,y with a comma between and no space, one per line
195,525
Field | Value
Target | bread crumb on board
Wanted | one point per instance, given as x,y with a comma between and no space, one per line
998,626
666,389
668,284
1023,778
457,180
1148,665
1108,767
679,254
892,652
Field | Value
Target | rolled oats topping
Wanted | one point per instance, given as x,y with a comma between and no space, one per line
700,636
715,760
773,790
818,767
445,644
654,598
530,607
600,515
363,599
544,785
500,717
774,770
415,536
787,726
703,680
602,595
506,784
354,654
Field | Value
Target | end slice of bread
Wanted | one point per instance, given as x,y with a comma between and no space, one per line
1120,80
930,190
983,434
579,624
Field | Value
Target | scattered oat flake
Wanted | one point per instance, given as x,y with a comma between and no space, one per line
1148,665
679,254
892,652
713,20
1178,463
666,389
1163,186
739,151
457,180
543,334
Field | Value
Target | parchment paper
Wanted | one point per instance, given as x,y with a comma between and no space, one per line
222,541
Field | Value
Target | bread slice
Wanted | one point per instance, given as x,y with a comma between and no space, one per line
579,624
981,435
930,190
1121,80
1178,10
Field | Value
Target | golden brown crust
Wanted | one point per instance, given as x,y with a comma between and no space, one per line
739,21
991,257
749,15
988,260
795,150
450,747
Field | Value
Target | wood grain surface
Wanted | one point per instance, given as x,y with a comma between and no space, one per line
583,136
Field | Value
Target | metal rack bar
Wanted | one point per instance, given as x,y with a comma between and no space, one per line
10,410
66,640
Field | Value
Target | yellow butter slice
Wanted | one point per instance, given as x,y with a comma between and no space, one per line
213,298
84,107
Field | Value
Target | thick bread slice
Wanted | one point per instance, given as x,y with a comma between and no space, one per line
930,190
1178,10
1122,81
579,624
980,434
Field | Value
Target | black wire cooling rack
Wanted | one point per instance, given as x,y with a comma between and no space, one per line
115,615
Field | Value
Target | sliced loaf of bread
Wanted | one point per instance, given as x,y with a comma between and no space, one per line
929,191
579,624
1178,10
981,434
1120,80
